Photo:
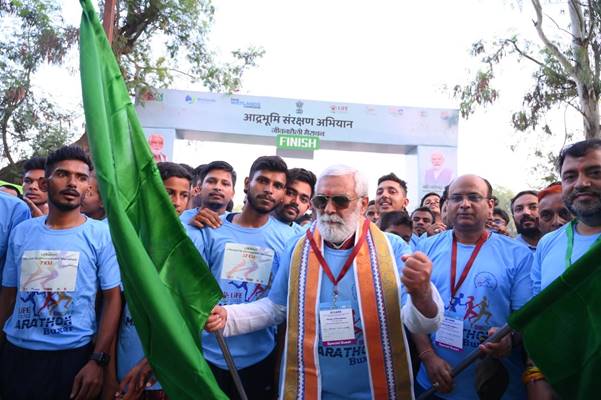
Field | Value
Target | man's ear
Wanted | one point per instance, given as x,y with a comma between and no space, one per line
364,201
246,185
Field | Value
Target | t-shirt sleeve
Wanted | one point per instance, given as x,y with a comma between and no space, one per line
279,289
535,272
108,268
20,214
521,290
9,274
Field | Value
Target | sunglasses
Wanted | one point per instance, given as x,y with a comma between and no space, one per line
340,201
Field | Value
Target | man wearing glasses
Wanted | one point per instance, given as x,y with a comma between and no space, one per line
339,286
482,278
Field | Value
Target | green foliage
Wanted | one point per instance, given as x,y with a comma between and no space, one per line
34,35
179,28
155,40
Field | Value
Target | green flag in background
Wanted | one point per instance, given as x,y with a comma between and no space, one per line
562,329
168,287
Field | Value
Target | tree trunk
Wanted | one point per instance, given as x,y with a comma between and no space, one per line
584,75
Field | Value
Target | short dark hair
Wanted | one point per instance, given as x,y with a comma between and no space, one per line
188,168
269,163
445,195
170,170
395,218
392,177
197,173
371,203
578,149
421,203
303,175
12,187
520,194
213,165
502,213
424,209
71,152
34,163
488,189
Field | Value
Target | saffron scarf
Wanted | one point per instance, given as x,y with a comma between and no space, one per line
377,283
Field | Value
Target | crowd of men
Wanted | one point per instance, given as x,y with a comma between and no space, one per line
327,294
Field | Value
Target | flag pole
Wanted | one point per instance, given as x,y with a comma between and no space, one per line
230,364
470,359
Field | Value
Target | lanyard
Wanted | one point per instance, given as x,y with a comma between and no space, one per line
570,248
347,264
468,266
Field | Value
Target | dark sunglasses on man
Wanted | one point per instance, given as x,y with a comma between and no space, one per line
340,201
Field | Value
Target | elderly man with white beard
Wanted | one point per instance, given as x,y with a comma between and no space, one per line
345,289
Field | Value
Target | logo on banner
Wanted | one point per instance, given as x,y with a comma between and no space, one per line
338,109
396,111
299,107
246,104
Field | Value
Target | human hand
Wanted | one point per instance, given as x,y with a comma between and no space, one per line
500,349
439,372
217,319
436,228
206,217
88,382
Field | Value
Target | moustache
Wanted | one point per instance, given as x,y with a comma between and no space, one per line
590,191
293,207
265,197
331,218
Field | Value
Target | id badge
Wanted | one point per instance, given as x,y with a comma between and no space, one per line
450,334
336,324
247,263
48,271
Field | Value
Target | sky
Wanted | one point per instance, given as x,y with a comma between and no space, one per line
403,53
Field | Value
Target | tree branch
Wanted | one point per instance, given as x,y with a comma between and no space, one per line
525,55
538,24
559,27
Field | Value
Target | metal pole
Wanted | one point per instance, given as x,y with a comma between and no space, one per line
230,364
469,360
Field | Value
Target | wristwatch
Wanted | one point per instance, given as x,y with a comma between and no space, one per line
101,358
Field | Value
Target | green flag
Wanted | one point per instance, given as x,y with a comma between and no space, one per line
562,329
168,287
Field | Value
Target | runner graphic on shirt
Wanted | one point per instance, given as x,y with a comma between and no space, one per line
483,311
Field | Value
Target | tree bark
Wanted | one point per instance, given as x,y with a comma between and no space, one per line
584,74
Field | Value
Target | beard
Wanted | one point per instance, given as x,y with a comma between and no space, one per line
335,229
528,232
589,212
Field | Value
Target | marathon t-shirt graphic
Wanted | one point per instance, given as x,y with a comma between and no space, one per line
497,284
57,274
244,261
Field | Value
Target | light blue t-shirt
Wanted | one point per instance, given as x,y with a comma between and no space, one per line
12,212
60,318
550,258
129,347
497,284
520,239
344,370
296,228
241,241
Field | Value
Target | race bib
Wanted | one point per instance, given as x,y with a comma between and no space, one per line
246,263
336,325
48,271
450,334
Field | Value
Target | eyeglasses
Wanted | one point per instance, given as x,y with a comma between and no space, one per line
472,198
340,201
547,215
